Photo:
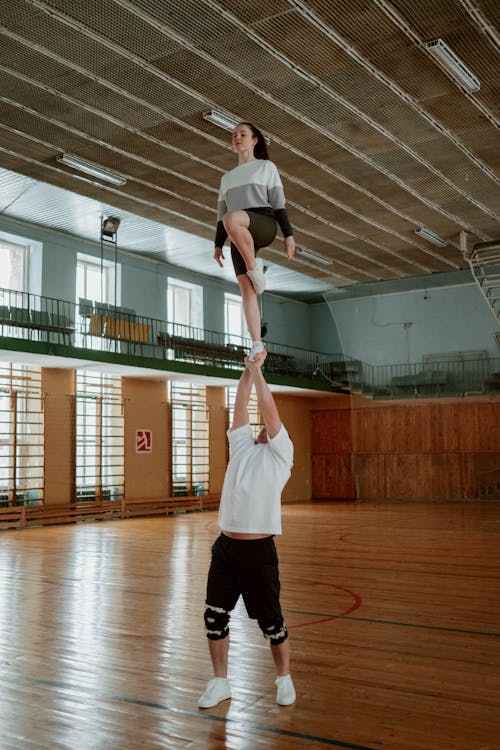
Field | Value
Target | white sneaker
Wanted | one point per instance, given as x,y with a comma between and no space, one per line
257,347
256,276
217,690
285,692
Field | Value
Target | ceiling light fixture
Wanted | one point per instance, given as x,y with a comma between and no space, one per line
453,64
94,170
219,118
314,256
226,122
426,234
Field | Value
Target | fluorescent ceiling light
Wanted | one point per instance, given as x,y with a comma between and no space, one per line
94,170
219,118
314,256
226,121
426,234
453,64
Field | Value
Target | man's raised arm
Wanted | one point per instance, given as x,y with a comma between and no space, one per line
240,415
267,406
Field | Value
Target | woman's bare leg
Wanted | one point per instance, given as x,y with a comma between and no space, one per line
236,224
250,306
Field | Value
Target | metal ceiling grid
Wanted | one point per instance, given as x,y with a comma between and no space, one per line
253,13
364,161
107,19
402,123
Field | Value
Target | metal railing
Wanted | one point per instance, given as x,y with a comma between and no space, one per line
439,378
94,326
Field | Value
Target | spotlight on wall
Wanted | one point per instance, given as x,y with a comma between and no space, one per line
110,227
94,170
453,64
434,239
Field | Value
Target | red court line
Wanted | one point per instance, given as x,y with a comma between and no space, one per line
357,601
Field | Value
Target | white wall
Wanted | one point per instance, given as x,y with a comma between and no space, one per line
143,284
401,327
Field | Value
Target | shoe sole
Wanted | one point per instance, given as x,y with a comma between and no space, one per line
213,705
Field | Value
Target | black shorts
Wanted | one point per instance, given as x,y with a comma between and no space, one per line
248,567
263,230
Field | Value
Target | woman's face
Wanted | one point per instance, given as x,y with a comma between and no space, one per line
243,139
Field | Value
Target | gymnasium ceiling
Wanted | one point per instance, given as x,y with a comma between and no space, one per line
372,137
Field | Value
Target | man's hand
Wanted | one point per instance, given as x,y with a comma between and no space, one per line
265,399
218,254
257,362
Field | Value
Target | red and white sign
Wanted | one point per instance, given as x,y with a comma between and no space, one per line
143,441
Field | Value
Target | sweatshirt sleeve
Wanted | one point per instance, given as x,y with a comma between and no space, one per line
281,217
276,196
220,232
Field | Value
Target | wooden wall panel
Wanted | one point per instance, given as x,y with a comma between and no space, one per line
370,475
332,432
409,451
428,428
333,477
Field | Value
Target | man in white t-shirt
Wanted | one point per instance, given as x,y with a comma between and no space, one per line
244,559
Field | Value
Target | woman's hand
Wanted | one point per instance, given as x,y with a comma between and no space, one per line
218,254
290,246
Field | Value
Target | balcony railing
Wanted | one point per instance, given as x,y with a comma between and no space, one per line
93,326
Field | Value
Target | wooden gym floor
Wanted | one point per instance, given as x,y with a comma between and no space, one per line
393,611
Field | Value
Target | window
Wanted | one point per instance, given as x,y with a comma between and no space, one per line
253,410
190,460
235,326
92,281
184,309
21,435
99,437
13,266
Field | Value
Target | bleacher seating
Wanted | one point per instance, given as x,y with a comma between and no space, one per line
201,351
113,322
40,320
425,381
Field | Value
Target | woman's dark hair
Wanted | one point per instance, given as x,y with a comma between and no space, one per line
260,149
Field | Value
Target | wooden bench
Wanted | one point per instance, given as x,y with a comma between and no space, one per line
280,363
13,517
121,329
202,351
425,379
168,505
22,516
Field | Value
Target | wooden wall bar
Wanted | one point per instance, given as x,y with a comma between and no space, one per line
410,451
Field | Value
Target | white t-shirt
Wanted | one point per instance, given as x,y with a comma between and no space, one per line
255,477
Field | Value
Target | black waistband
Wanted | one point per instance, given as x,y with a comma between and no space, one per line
231,539
263,210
